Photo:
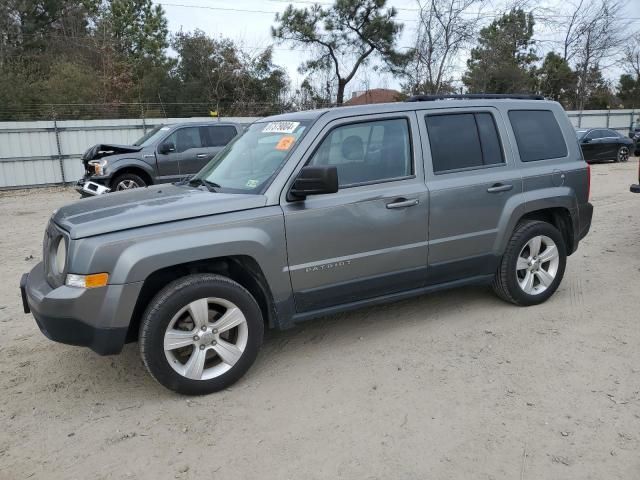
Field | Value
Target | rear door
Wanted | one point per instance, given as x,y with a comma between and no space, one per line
471,177
370,238
610,141
215,138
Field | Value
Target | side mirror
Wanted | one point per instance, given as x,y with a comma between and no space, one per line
314,181
586,140
166,147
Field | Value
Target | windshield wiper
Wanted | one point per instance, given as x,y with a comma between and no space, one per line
211,186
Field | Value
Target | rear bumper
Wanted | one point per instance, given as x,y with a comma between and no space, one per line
97,318
635,188
585,216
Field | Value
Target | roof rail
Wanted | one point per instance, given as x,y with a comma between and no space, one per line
475,96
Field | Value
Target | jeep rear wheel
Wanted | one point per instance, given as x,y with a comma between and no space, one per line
533,264
200,334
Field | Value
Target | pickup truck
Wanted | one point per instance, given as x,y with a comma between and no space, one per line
165,154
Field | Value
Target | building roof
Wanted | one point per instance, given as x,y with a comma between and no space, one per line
376,95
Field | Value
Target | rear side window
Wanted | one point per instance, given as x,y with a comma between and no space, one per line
218,136
463,140
611,134
538,135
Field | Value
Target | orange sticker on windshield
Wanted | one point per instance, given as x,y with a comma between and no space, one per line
285,142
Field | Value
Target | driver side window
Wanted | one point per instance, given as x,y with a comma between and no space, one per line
367,152
593,134
185,139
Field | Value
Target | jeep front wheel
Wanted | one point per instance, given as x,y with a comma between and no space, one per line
200,334
533,264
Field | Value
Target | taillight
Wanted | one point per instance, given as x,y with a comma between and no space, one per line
588,181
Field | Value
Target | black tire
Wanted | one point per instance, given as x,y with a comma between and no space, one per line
168,302
620,156
505,283
127,178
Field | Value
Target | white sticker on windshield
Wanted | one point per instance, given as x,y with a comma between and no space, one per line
280,127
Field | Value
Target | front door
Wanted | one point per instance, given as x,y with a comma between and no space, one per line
370,238
594,148
190,144
470,182
186,157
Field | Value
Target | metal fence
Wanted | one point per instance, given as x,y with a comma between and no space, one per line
619,120
37,153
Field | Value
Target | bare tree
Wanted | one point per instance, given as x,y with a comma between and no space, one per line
632,56
593,40
445,29
572,31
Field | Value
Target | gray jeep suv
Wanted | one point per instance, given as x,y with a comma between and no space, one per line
164,154
307,214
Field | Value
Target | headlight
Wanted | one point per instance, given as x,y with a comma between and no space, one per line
98,165
60,259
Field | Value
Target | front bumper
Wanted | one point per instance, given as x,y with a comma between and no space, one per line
635,188
88,187
97,318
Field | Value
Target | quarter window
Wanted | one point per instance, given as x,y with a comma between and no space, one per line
367,152
537,134
463,140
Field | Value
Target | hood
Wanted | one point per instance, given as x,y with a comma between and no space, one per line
141,207
108,149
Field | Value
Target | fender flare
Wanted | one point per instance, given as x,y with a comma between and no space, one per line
121,164
520,205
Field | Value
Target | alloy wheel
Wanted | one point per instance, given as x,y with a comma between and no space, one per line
127,185
537,265
206,338
623,154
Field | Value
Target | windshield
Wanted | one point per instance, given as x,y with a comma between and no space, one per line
250,161
151,136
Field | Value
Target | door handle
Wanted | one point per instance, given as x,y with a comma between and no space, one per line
402,203
499,187
201,155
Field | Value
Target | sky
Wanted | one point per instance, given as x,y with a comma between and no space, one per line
249,22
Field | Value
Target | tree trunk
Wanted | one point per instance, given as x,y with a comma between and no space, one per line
340,95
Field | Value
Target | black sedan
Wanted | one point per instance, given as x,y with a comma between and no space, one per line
602,144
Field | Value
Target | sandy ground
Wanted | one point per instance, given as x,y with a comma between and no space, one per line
455,385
